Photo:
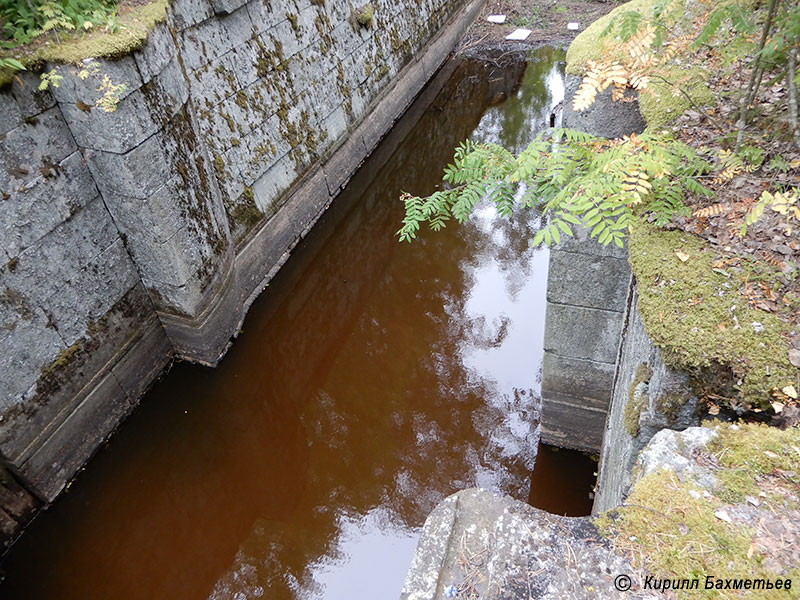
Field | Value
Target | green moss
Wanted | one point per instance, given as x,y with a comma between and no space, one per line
670,405
674,534
219,167
72,48
748,452
701,320
381,72
362,17
246,213
63,360
659,105
293,20
671,530
241,100
634,406
229,120
591,45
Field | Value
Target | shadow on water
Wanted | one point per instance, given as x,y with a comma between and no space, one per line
372,379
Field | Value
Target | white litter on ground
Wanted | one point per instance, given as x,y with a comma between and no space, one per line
573,26
519,34
499,19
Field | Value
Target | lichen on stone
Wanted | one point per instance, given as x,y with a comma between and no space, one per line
635,404
362,17
675,526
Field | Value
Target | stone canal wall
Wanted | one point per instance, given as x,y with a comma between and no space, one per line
587,288
647,397
131,237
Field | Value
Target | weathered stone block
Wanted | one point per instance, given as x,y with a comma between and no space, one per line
137,174
213,38
172,262
345,40
35,209
62,382
30,99
88,296
186,13
261,149
28,342
228,122
338,11
335,124
41,270
249,62
521,552
156,53
148,358
263,16
579,332
227,6
585,382
10,113
587,280
119,131
31,147
604,117
571,425
268,188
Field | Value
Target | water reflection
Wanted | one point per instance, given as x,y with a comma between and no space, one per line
371,381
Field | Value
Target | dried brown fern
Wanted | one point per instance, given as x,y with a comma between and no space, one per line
711,211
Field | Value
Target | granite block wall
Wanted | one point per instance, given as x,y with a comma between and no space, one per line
131,237
587,289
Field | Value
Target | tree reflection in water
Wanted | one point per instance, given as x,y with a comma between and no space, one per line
372,380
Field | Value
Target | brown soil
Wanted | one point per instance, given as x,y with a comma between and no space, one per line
547,19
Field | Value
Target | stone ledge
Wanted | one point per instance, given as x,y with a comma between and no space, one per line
206,338
521,552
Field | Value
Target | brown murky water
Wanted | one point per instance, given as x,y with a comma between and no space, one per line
372,379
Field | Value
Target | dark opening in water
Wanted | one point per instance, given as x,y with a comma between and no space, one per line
563,481
372,380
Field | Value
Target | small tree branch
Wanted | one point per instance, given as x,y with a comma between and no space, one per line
791,69
756,74
714,122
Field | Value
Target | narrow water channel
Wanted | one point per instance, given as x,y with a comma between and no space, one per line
371,380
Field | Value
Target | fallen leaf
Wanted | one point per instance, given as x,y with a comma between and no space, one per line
790,391
750,551
682,255
771,454
713,410
777,407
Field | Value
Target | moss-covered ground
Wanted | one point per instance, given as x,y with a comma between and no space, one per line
702,311
134,26
679,530
695,311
